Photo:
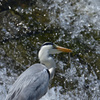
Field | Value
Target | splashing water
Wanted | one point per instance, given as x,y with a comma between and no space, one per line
80,80
76,15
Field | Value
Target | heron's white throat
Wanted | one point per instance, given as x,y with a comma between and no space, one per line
45,58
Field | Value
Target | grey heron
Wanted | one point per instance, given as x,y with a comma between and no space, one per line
33,83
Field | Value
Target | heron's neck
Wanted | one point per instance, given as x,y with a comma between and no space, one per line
49,62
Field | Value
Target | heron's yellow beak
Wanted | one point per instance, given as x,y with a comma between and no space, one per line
63,49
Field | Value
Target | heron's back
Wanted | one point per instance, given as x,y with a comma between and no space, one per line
32,84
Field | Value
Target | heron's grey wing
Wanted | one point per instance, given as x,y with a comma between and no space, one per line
31,84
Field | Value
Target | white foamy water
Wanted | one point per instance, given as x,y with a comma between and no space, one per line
5,82
75,18
79,93
76,15
53,94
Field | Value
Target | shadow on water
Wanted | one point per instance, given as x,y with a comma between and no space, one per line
71,24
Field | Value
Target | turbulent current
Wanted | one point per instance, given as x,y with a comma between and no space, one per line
76,24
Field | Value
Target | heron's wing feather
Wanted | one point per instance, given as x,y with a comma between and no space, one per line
36,88
31,84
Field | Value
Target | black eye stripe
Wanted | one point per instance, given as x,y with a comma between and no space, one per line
47,43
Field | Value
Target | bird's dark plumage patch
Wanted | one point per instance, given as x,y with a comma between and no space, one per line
47,43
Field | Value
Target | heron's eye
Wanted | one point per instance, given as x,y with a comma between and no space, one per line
54,46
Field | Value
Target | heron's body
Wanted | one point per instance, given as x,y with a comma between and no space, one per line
33,83
39,80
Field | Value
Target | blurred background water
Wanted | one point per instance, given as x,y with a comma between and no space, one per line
25,25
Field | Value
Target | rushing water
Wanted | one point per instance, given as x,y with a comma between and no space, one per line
74,24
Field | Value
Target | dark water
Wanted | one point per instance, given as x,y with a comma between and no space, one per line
73,24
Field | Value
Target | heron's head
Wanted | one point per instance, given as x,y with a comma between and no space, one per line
46,50
49,48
